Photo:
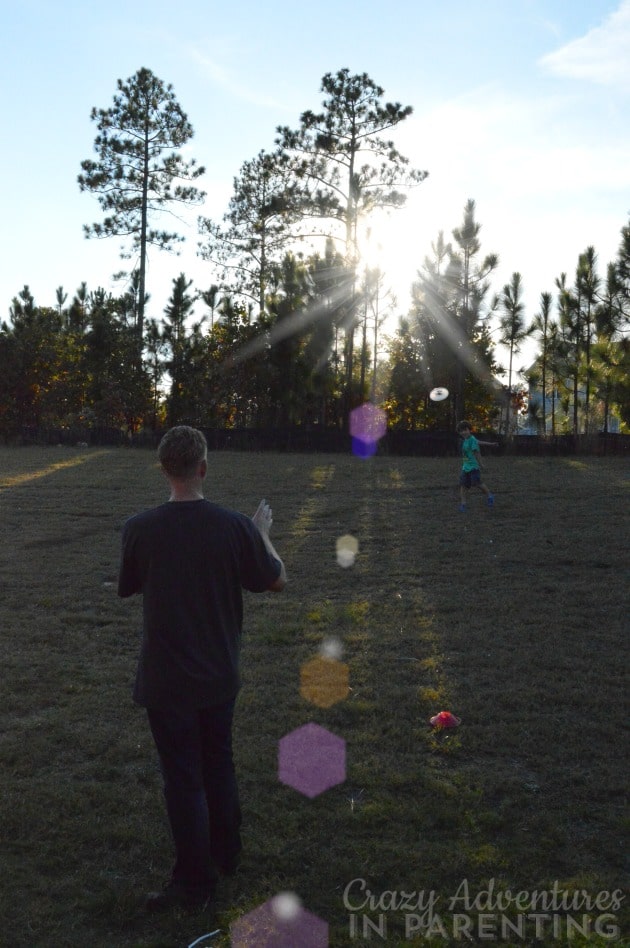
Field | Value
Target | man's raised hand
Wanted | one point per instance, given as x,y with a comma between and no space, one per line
263,518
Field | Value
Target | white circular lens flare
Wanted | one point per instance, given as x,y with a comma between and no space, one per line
286,905
438,394
331,647
349,543
347,549
345,558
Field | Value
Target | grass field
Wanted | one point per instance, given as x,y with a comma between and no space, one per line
516,619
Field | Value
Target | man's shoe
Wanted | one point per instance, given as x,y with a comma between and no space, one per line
175,895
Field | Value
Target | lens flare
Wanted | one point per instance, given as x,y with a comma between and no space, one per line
286,905
347,549
331,647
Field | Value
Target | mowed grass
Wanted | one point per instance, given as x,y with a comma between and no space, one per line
515,619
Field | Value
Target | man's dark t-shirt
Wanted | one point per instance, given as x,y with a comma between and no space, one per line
190,560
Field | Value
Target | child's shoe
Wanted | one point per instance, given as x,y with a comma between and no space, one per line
490,500
462,508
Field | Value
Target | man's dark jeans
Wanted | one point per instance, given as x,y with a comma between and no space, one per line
195,750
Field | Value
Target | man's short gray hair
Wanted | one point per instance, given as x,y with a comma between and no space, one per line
181,450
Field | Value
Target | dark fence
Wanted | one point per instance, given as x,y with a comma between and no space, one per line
598,444
322,441
398,443
97,436
331,441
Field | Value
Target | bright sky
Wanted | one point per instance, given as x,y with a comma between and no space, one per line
523,106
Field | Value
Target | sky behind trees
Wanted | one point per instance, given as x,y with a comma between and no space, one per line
523,107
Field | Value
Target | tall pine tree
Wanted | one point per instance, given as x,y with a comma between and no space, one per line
138,170
347,169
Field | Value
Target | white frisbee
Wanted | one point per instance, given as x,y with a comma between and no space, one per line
438,394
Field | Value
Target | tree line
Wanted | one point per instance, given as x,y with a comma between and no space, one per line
580,376
291,327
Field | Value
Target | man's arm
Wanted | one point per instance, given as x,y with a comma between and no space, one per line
128,581
263,520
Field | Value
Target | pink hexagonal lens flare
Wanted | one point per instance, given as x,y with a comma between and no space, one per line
368,424
311,760
273,925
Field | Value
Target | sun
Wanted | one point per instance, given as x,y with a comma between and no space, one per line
395,242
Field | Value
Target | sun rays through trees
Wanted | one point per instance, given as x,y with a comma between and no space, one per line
295,323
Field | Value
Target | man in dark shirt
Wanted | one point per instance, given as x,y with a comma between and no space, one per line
191,559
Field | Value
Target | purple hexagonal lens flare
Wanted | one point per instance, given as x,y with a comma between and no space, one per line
368,424
271,925
311,760
364,449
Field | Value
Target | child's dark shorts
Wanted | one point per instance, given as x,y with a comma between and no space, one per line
470,478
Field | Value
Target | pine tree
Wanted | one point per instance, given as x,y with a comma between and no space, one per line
447,320
255,229
178,344
346,169
542,325
587,286
138,169
513,329
470,277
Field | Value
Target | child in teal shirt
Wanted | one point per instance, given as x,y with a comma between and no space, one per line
471,466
